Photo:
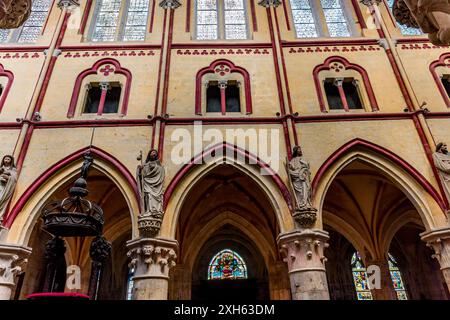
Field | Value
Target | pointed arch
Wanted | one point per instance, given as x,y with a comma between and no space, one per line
271,183
61,172
408,179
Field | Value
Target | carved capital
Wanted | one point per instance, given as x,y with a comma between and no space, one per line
170,4
439,241
269,3
69,4
13,13
13,260
304,250
152,257
371,2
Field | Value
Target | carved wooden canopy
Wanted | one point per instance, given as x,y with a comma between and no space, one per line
13,13
403,15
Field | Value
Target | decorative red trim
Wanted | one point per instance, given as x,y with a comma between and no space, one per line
236,150
286,16
330,42
99,153
327,66
47,17
188,15
359,15
84,19
223,45
152,18
232,69
100,47
161,57
360,143
167,68
10,76
253,11
400,80
55,295
438,63
94,70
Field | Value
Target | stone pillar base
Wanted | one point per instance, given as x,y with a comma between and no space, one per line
303,252
13,259
152,259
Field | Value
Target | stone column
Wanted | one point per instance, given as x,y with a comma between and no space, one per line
386,290
152,259
303,252
13,259
439,241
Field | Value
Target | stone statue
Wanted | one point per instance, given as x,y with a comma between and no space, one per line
300,180
150,178
432,16
87,163
8,180
442,161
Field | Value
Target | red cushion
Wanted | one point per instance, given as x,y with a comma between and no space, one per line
56,295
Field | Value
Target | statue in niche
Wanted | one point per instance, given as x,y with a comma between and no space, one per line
300,180
150,178
432,16
8,181
442,161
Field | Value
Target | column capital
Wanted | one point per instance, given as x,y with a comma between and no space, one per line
170,4
68,4
370,2
13,259
269,3
439,241
304,249
152,257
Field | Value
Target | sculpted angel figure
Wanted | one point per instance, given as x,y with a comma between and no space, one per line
8,181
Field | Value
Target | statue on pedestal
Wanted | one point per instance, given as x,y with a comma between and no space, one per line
299,174
442,161
8,181
150,178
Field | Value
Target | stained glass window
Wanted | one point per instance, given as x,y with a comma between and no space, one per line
116,20
309,23
407,31
360,278
397,280
130,284
32,28
227,265
221,19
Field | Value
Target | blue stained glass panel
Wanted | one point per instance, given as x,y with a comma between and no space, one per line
227,265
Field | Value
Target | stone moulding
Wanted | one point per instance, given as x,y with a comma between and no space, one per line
13,13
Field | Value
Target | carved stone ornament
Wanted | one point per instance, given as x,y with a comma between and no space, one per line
439,241
269,3
152,257
13,13
432,16
100,249
68,3
305,218
13,260
170,4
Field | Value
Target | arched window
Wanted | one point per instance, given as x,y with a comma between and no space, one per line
221,19
321,18
406,31
227,265
396,277
117,20
360,278
362,284
32,28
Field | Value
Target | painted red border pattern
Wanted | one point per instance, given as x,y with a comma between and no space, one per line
363,144
94,70
349,66
236,150
84,19
10,76
97,152
433,66
233,69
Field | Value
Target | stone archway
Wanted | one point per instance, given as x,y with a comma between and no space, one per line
104,191
371,210
227,209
